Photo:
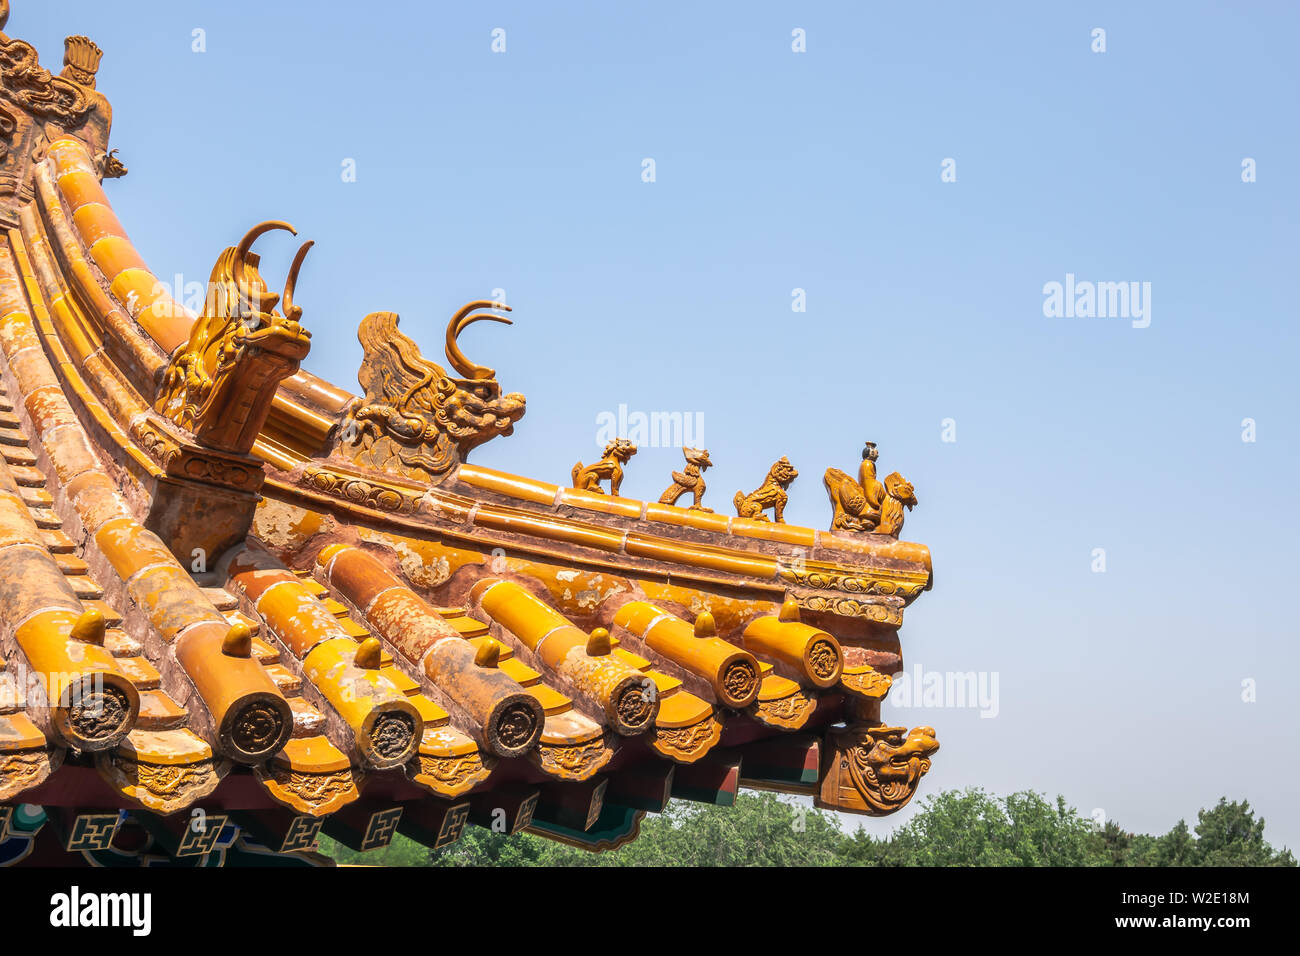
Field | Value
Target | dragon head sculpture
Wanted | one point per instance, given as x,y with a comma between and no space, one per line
220,385
876,769
416,419
699,457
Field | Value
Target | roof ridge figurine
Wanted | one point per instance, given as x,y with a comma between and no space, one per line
609,468
691,480
770,494
868,504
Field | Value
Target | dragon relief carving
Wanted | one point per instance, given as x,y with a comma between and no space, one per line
609,468
689,481
41,107
874,769
790,712
770,494
573,761
219,386
416,420
687,744
163,788
449,776
23,770
58,98
868,504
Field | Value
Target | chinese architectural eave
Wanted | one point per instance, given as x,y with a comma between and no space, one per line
232,586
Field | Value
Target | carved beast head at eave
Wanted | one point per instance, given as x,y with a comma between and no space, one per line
882,765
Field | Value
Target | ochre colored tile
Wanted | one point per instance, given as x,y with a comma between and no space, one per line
660,549
542,527
115,254
95,221
513,486
80,187
682,710
159,712
430,713
686,518
140,672
165,747
312,755
130,547
773,531
605,504
17,732
48,408
69,155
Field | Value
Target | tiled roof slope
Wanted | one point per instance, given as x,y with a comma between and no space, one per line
230,588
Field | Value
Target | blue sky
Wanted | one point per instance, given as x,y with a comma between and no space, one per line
821,170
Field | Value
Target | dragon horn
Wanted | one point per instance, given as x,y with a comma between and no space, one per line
458,323
291,311
261,228
243,250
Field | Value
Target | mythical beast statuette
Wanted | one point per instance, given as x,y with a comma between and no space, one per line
219,386
875,769
416,420
868,504
609,468
691,480
770,494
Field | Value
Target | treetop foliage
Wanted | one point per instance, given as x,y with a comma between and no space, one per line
955,828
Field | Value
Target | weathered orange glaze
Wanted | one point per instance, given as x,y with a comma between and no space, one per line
503,483
93,705
385,727
169,596
733,673
811,653
618,689
508,719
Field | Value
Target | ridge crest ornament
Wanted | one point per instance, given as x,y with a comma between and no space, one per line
220,385
609,468
868,504
772,493
690,481
416,420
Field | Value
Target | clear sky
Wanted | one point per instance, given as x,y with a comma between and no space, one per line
823,171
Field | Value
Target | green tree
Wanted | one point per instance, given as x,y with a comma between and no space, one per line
1229,835
760,830
1111,845
1175,848
954,828
974,828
